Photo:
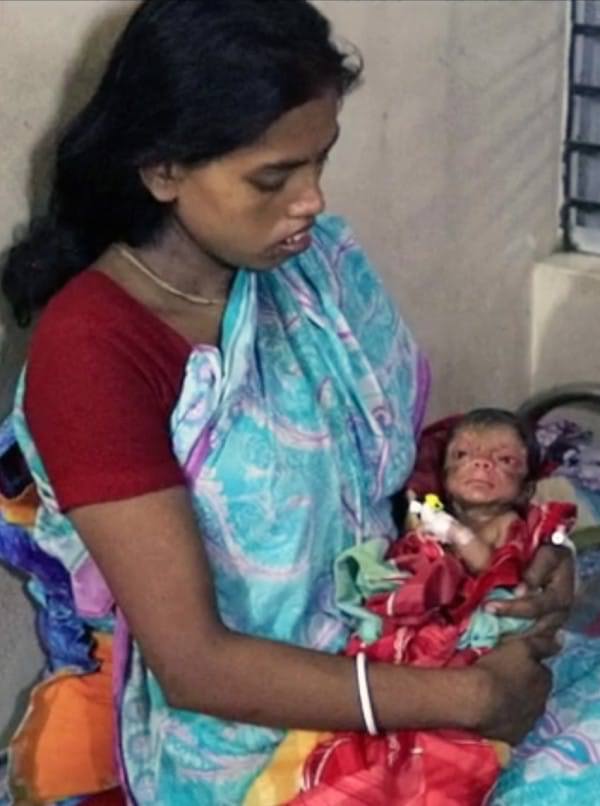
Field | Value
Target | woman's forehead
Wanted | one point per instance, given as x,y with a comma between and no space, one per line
299,135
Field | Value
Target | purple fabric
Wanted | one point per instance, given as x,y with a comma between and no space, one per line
92,597
61,631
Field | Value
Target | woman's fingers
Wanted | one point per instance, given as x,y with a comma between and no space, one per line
543,638
543,565
548,589
553,568
543,645
532,606
519,687
549,624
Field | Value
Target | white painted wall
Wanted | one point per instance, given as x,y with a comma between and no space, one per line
448,168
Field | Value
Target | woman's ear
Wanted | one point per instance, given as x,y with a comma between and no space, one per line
162,181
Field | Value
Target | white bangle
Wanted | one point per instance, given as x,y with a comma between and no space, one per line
364,695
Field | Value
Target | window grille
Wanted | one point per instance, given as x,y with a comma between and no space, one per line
581,209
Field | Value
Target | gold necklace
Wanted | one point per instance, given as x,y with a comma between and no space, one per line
196,299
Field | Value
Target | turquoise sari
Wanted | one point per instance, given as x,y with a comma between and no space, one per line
293,435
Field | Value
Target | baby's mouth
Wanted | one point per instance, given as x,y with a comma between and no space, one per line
480,483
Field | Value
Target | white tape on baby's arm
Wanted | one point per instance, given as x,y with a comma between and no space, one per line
439,524
415,507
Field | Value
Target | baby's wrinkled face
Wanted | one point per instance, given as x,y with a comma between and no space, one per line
485,465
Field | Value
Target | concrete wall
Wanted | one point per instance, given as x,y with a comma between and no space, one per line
448,168
49,57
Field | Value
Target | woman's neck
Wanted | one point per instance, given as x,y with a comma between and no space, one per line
178,260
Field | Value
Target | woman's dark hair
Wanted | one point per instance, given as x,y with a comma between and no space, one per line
490,417
188,81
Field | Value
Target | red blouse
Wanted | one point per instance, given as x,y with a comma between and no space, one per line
103,376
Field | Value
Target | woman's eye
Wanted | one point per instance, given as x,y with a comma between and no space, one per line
269,185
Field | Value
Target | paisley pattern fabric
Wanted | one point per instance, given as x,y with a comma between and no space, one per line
293,436
559,761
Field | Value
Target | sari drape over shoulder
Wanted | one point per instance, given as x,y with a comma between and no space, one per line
293,434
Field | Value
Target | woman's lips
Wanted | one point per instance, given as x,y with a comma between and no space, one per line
295,244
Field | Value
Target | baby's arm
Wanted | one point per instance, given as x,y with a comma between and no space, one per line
471,549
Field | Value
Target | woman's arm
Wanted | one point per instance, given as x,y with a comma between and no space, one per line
547,592
152,557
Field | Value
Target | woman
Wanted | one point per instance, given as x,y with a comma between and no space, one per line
219,398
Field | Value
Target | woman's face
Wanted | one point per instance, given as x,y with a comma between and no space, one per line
255,206
485,465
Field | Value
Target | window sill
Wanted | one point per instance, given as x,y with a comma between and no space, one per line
565,320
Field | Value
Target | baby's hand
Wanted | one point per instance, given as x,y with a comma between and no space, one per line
440,524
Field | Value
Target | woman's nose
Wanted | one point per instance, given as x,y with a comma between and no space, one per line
310,201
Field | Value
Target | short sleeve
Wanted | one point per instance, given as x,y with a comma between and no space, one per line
96,417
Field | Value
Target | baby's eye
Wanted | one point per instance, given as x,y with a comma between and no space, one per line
459,453
507,460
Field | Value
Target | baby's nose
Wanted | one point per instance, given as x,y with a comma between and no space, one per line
482,462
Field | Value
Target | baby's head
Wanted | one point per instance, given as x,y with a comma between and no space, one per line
491,460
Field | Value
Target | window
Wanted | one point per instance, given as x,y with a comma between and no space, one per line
581,211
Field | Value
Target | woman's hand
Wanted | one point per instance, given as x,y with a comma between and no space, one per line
514,686
547,592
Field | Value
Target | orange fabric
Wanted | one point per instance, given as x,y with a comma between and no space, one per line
22,509
64,746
